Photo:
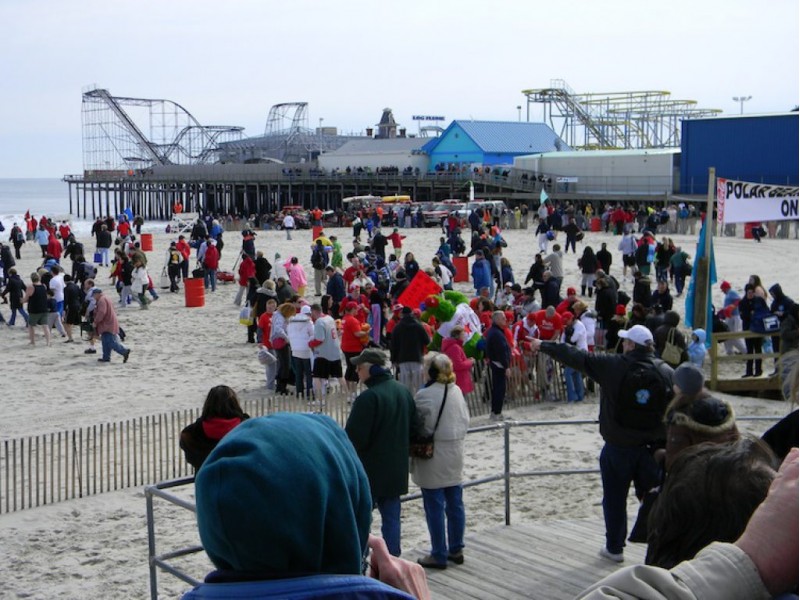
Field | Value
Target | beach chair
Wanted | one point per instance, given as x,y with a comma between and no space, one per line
183,222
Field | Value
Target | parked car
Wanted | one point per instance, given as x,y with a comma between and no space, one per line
302,218
438,213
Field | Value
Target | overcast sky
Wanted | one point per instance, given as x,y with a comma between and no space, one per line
227,62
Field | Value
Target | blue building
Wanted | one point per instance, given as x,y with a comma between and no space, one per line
758,148
490,143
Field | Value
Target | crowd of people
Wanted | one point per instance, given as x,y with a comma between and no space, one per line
406,376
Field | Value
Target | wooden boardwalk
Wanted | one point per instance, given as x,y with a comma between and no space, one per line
548,560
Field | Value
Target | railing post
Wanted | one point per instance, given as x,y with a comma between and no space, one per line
507,470
151,545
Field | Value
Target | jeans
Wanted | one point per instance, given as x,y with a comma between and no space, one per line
211,279
103,256
390,522
498,378
13,318
619,466
438,503
111,342
574,382
302,370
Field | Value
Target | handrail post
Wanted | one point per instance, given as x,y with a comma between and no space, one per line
507,470
151,545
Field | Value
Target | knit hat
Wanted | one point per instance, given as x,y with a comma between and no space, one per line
571,291
251,515
689,379
724,286
620,310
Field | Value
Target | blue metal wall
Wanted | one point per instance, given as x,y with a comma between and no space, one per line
762,149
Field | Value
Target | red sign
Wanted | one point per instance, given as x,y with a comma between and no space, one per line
418,290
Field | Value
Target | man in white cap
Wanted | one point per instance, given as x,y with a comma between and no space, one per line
635,388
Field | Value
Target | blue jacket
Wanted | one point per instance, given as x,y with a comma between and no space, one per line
335,288
697,350
481,274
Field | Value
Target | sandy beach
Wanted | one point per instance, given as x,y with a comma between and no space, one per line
97,546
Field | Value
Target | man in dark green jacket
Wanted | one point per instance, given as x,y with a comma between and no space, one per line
380,426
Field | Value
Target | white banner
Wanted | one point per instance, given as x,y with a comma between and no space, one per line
743,202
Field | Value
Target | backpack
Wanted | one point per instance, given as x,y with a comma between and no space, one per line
644,395
318,259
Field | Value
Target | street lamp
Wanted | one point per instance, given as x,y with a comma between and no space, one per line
321,119
519,113
741,100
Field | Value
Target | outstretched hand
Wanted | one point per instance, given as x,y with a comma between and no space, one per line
770,539
397,572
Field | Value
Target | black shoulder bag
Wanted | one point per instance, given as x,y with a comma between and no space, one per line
421,446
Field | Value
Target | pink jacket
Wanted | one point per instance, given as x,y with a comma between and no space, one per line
297,274
462,366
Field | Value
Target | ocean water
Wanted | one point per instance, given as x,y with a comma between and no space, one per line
49,197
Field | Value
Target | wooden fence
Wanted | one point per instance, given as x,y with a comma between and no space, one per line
52,467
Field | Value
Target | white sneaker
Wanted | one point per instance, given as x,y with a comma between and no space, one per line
607,554
496,418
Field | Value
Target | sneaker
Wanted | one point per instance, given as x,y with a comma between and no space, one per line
103,360
613,557
431,563
90,351
125,356
456,557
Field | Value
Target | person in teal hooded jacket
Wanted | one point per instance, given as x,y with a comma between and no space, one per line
283,506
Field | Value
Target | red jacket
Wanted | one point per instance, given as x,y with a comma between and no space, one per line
211,259
184,249
247,269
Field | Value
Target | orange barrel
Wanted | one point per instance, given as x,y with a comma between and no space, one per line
748,230
597,224
194,292
461,263
316,231
147,242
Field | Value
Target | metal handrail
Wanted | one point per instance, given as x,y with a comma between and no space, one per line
151,491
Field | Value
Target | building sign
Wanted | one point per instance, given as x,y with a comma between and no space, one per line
743,202
426,118
566,180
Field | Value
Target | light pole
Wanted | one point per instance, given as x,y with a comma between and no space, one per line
321,119
741,100
519,113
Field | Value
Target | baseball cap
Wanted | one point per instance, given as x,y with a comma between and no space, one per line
306,310
94,290
350,305
571,291
724,286
370,355
638,334
688,378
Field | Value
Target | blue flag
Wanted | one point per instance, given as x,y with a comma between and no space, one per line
128,213
543,196
712,279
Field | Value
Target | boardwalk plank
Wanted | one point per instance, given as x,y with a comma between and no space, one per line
544,560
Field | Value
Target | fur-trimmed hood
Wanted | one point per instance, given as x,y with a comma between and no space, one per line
706,415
